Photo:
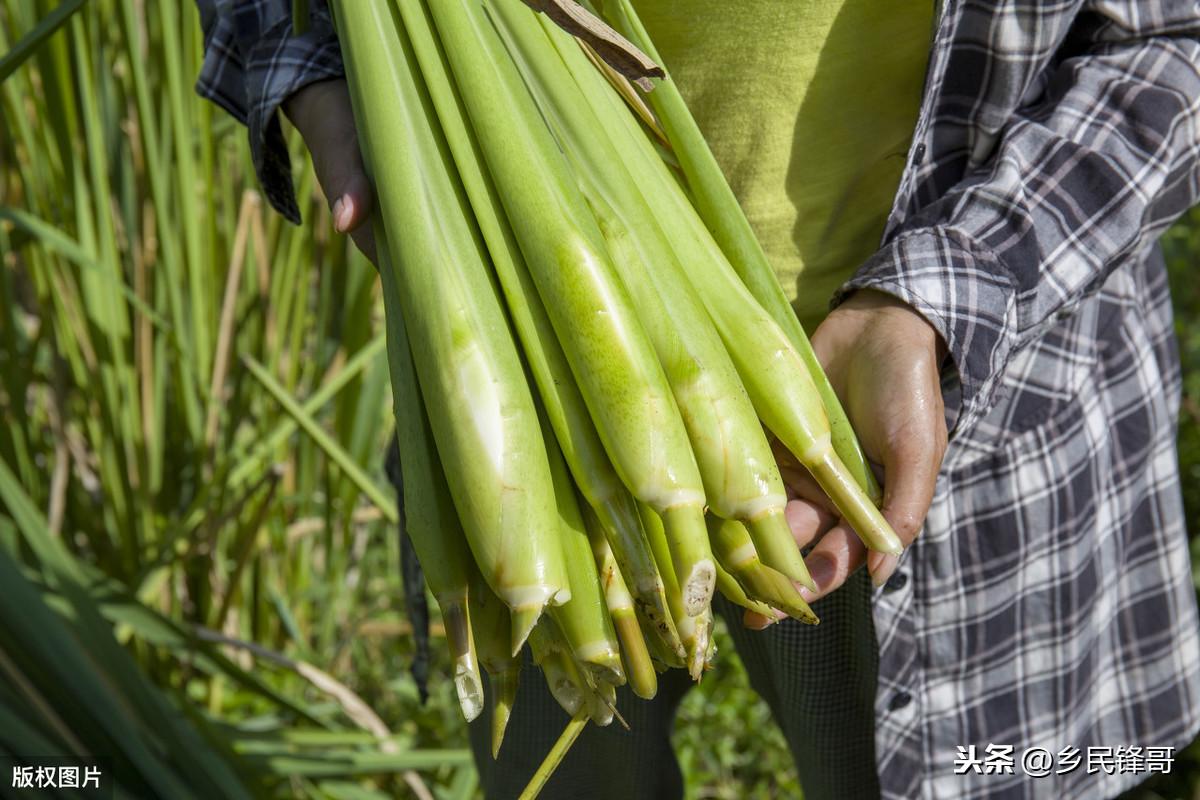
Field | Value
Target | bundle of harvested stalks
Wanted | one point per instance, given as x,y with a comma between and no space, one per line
586,354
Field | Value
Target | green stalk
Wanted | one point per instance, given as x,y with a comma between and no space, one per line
634,653
429,516
612,359
728,586
300,12
584,619
693,629
493,643
551,653
561,398
336,453
776,378
717,205
486,425
741,477
661,656
504,686
555,756
107,310
735,552
32,41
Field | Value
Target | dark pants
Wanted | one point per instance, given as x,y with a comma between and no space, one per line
818,681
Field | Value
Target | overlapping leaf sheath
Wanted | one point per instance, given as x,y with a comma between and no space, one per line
431,521
483,417
593,317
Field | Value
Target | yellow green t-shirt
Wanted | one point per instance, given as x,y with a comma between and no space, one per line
809,107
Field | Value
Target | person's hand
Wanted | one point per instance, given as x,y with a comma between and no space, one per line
883,359
321,112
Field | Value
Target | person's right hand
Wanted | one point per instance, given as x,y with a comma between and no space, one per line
883,359
321,112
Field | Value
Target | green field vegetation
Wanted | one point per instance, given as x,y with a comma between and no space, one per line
198,545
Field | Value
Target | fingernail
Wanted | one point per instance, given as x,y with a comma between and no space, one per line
755,622
338,207
347,215
884,569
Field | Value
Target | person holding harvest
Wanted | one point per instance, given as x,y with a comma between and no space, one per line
978,189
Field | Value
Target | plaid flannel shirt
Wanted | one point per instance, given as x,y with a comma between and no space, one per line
1048,602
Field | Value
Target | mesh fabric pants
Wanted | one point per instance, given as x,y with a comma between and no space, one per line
818,681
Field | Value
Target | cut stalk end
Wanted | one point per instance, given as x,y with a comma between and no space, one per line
697,588
564,682
469,687
621,525
603,666
691,556
602,704
696,633
663,655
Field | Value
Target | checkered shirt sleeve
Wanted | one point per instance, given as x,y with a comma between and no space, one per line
253,62
1079,126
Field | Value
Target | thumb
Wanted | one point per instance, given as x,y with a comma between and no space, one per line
322,113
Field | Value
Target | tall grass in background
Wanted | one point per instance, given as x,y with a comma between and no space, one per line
193,511
198,552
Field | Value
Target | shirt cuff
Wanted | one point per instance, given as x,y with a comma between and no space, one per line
278,64
968,297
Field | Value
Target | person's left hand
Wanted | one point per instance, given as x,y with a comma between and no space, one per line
883,359
321,112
